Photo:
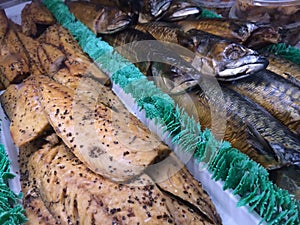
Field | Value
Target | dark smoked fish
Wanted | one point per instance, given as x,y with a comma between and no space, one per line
100,18
252,35
211,55
224,59
250,127
275,94
285,68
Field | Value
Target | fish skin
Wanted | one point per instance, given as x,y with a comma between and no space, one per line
285,146
101,19
252,35
151,10
125,142
163,31
250,128
180,10
279,97
35,208
284,68
3,24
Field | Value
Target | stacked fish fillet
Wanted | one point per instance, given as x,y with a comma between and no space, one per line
84,158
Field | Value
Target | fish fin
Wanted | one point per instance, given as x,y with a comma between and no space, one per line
259,142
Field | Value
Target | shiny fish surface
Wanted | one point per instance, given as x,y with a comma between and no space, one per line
100,18
252,35
275,94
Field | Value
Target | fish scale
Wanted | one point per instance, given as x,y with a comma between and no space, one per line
278,96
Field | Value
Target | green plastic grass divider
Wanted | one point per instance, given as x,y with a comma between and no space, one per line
11,210
241,174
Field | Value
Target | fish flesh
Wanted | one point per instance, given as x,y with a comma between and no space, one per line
34,206
14,63
283,67
121,147
28,120
253,35
80,196
180,10
101,19
224,59
279,97
35,18
173,178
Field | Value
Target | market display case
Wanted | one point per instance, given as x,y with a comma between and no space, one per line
241,185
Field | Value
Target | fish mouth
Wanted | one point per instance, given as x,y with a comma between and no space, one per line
118,25
182,13
159,7
242,68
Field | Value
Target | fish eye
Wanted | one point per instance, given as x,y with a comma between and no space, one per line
234,52
243,31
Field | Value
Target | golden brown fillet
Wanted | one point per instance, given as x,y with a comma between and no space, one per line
35,209
100,131
50,57
76,195
172,177
77,62
3,24
33,15
28,120
9,99
31,47
14,64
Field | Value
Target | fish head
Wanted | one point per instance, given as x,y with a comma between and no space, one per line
242,30
180,9
157,7
262,36
171,79
111,20
222,58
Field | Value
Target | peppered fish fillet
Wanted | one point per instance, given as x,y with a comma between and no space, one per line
51,58
8,100
28,121
35,208
173,178
76,195
3,24
99,130
77,62
14,64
